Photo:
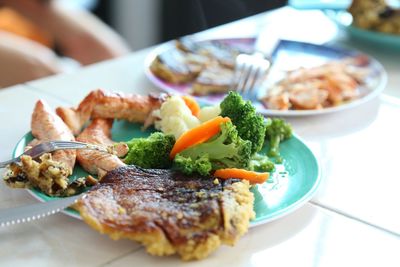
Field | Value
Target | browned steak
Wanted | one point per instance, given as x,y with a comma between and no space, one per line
169,212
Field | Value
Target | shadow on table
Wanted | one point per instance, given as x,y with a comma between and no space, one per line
341,123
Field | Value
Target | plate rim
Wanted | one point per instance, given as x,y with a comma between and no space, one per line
269,112
269,218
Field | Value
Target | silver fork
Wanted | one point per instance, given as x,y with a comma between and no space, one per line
251,69
46,147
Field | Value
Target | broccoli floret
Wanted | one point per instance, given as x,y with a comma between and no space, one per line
261,163
277,131
150,152
250,125
201,165
226,150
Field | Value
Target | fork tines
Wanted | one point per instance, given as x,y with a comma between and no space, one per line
250,71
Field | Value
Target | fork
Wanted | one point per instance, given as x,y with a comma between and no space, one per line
250,71
46,147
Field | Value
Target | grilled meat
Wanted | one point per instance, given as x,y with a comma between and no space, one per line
96,162
99,104
169,212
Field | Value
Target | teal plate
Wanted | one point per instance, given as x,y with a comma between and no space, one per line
290,186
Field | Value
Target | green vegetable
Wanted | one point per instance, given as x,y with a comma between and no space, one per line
201,165
276,132
226,150
150,152
250,125
261,163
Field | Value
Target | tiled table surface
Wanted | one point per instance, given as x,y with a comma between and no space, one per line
352,221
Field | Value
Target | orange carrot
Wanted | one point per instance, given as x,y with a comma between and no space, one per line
192,104
198,135
252,177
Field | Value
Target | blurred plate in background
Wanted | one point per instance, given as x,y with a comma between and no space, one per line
344,20
288,55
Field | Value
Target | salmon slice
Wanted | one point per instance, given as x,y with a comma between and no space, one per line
47,126
100,104
96,162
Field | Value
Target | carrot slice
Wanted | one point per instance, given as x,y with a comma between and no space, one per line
198,135
192,104
252,177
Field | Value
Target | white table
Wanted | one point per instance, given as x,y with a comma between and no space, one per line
352,221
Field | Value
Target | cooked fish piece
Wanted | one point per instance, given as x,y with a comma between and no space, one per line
96,162
100,104
47,126
178,67
214,79
169,212
214,50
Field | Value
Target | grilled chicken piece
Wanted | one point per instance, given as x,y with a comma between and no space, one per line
169,212
99,104
47,126
96,162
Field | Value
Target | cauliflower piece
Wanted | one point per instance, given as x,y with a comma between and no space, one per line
208,113
175,117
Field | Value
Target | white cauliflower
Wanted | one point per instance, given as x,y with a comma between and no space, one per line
208,113
175,117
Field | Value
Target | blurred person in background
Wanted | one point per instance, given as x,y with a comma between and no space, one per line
31,30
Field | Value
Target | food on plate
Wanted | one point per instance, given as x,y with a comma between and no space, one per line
213,79
214,50
251,176
98,132
249,124
174,117
324,86
216,143
224,150
104,105
47,126
187,190
277,131
192,104
208,112
198,134
151,152
376,15
51,173
46,174
178,67
207,65
169,212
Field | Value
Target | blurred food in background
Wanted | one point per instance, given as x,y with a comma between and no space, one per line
377,15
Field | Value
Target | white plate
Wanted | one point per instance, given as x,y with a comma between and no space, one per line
287,55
